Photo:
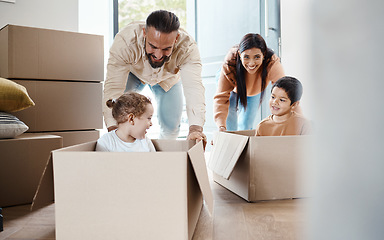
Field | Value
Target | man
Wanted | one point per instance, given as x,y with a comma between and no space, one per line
159,54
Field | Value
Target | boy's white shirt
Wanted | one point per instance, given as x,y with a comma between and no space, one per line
110,142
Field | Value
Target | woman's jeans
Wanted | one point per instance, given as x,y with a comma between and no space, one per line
240,119
169,105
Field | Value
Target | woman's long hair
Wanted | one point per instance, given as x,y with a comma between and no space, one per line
249,41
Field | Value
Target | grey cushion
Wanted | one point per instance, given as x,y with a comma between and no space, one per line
11,126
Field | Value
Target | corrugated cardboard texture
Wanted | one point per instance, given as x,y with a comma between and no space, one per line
22,161
133,195
269,168
35,53
275,170
61,106
136,198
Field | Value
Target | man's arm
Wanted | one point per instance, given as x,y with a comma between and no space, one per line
194,93
116,79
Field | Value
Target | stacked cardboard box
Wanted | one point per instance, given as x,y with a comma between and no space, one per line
62,72
22,161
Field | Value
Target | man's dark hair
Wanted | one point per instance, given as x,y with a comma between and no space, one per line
163,21
291,86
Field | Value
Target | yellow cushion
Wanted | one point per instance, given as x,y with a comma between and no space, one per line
13,97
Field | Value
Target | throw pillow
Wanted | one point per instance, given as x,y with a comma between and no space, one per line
13,97
11,126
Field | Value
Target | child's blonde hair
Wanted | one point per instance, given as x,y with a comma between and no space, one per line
127,103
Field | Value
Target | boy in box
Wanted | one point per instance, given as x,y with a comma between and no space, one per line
285,98
133,114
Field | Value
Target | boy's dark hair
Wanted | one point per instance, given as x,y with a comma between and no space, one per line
163,21
291,86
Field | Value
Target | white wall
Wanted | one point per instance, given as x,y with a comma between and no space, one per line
295,46
51,14
96,17
347,75
334,48
85,16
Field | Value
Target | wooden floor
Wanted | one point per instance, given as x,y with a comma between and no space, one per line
233,218
236,219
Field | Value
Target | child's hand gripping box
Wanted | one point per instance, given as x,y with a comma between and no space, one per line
121,195
260,168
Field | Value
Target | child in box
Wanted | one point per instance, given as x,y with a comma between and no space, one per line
285,98
133,113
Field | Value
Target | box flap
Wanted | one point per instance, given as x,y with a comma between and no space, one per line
7,25
226,151
45,191
250,133
196,155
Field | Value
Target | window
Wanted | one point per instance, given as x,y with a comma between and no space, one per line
127,11
138,10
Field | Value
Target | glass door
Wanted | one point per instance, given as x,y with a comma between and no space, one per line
271,32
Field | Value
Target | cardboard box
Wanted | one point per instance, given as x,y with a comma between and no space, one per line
21,163
156,195
265,168
35,53
71,138
62,106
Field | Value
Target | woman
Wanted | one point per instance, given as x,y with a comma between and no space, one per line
247,70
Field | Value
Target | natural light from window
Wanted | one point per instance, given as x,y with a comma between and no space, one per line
138,10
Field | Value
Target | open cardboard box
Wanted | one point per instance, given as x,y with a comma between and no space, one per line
260,168
104,195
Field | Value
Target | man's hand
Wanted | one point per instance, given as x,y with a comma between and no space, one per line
111,128
196,133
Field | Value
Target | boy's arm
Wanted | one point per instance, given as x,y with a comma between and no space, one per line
257,133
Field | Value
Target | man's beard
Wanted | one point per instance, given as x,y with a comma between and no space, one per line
156,64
